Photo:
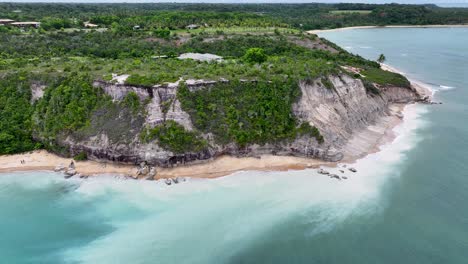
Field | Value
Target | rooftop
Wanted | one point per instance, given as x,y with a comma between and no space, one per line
26,23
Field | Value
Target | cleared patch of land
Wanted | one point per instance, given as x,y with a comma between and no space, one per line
362,12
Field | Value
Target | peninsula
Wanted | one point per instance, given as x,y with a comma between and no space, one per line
157,91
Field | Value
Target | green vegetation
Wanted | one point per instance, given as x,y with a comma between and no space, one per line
327,83
381,58
66,107
174,137
132,102
81,156
370,87
255,55
382,77
246,113
121,18
15,115
164,33
265,54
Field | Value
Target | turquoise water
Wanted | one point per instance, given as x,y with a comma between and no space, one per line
406,204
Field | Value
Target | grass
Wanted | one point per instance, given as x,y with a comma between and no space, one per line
385,77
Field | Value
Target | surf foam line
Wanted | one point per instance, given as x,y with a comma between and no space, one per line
229,215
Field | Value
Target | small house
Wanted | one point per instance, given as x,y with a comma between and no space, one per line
6,21
26,24
192,26
90,25
136,27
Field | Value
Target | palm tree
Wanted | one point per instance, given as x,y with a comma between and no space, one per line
381,58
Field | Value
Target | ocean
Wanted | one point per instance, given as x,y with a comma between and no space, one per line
406,204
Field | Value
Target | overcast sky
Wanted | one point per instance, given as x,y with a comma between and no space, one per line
252,1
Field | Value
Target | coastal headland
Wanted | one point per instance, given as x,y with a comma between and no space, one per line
185,94
363,142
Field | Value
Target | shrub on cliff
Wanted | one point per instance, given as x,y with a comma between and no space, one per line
67,106
173,137
81,156
15,115
132,102
255,55
244,112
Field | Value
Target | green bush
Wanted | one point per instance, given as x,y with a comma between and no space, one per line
255,55
164,33
173,137
81,156
15,115
370,87
132,101
327,83
244,112
307,129
67,106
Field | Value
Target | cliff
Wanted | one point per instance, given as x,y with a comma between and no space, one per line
338,111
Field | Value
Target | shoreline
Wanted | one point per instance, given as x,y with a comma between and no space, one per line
42,160
363,143
317,31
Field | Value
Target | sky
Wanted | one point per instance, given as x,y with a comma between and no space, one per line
255,1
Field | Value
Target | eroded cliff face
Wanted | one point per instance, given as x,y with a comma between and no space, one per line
337,112
347,108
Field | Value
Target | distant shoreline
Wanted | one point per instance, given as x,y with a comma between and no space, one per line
316,31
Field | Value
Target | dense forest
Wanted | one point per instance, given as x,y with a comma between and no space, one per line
301,16
265,53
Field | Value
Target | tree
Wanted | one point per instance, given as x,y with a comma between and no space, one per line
162,33
255,55
381,58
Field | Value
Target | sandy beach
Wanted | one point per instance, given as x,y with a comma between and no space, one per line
317,31
362,143
43,160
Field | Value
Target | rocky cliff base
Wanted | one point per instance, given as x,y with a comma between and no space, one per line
342,112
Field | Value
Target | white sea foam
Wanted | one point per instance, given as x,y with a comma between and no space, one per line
178,223
445,88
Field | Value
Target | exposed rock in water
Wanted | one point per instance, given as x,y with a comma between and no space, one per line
168,181
334,176
59,168
322,171
152,173
352,169
69,173
72,165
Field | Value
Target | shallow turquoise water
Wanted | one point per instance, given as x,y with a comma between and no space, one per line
406,204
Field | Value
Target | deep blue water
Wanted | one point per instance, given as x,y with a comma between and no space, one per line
406,204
